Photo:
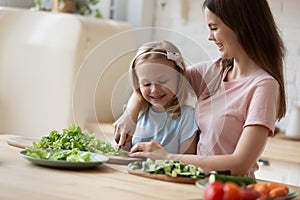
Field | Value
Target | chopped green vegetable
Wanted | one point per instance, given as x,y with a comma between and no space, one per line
135,165
73,155
168,167
75,138
240,180
83,157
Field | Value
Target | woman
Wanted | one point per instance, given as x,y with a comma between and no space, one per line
239,97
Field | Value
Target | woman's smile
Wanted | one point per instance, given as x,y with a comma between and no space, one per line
220,45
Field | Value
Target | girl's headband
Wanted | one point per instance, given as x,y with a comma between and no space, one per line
176,57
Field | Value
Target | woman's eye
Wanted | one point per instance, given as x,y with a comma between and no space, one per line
212,27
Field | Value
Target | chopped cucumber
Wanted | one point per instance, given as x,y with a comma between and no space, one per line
240,180
168,167
135,165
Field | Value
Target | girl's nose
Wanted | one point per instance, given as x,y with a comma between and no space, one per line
154,87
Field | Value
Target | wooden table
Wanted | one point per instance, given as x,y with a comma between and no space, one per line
19,179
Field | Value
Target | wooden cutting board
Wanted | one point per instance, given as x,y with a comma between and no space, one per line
21,142
163,177
122,160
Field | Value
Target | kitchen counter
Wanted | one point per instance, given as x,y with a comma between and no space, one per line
282,148
21,179
280,161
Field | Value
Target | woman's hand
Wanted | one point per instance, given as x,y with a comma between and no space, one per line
152,150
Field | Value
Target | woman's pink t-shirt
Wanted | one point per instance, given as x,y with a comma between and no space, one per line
252,100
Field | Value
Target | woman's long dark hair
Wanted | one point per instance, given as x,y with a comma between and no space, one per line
256,30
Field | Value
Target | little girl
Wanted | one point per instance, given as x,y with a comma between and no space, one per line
158,78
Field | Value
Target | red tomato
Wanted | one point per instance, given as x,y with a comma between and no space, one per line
214,191
231,191
248,194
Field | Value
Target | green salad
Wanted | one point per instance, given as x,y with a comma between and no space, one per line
73,155
168,167
73,139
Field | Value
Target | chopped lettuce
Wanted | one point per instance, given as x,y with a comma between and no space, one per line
73,155
75,138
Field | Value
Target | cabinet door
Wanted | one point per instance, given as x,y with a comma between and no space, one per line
278,171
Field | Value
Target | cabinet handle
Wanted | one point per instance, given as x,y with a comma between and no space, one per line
263,162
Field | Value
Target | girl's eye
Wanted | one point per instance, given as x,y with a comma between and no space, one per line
213,29
146,84
162,82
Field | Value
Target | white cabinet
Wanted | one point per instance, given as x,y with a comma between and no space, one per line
279,171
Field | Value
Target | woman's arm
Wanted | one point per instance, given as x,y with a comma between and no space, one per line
189,146
248,150
125,125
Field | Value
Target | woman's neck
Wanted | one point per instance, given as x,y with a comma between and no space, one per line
241,68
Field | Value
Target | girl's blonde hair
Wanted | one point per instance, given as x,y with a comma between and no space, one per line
158,51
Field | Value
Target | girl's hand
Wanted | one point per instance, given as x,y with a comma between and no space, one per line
152,150
124,128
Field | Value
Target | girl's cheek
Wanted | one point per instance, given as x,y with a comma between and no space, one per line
144,91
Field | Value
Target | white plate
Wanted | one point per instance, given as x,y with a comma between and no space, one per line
24,142
96,159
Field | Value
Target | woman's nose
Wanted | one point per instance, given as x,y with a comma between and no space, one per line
210,36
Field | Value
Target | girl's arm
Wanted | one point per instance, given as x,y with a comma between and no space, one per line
125,125
249,148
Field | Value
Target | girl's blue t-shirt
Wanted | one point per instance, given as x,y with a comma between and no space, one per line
170,133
